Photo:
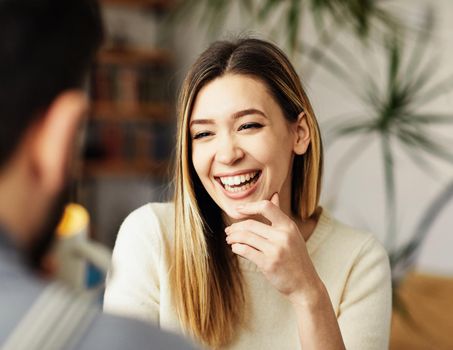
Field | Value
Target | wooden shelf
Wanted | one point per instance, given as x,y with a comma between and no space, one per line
134,112
134,56
124,168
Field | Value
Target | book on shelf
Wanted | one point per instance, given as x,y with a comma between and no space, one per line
131,124
130,142
130,86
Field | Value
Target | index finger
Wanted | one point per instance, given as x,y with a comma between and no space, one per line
265,208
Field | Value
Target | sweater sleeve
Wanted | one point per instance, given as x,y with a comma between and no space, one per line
365,308
132,286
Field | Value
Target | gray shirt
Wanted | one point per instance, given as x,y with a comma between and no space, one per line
20,288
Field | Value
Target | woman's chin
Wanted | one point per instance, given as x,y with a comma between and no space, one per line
233,214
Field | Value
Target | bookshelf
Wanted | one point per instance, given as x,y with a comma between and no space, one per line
121,168
144,111
134,56
131,119
129,134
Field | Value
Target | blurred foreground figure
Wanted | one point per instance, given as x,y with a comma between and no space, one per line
46,47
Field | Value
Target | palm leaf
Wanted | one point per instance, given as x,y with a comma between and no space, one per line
423,143
423,36
354,128
435,91
292,23
390,191
430,118
406,255
267,7
418,158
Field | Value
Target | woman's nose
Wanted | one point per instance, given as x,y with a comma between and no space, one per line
228,150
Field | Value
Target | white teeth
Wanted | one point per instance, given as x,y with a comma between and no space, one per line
231,183
237,189
237,180
228,181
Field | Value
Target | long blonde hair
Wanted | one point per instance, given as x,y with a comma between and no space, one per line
206,281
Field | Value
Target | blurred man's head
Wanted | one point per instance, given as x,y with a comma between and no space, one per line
46,48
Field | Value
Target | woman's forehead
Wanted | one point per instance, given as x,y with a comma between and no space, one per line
227,95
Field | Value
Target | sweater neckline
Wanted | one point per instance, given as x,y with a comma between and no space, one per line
322,229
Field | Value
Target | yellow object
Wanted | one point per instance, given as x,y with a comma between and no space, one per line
75,219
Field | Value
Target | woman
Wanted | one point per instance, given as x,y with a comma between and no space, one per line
245,258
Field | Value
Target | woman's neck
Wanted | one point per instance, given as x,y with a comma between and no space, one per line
307,227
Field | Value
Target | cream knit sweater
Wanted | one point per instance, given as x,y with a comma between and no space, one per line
353,266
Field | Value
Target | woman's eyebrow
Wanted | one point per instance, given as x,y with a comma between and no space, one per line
235,115
201,121
248,111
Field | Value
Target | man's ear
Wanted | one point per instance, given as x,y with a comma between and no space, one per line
54,139
302,139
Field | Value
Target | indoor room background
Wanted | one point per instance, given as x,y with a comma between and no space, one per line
380,78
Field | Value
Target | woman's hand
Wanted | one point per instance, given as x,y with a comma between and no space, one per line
280,253
277,249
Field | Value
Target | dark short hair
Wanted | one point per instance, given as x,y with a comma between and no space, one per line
46,47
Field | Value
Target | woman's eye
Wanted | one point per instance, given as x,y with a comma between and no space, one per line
250,126
201,135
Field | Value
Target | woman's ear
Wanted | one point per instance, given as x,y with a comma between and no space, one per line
302,139
54,139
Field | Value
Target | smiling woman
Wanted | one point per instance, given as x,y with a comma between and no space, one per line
238,130
245,258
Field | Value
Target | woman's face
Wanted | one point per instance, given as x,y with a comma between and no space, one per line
242,146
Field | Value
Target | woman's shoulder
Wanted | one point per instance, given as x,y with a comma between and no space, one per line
150,215
340,238
354,256
150,223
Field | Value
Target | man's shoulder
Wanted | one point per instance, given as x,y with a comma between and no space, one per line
78,314
114,332
19,289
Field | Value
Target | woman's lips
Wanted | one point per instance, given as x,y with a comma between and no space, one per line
241,193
